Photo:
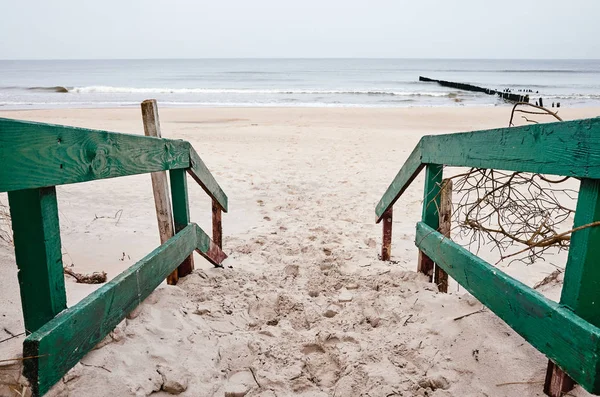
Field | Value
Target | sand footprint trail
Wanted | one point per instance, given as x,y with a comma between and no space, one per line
306,308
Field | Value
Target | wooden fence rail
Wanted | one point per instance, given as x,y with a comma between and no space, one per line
35,158
566,332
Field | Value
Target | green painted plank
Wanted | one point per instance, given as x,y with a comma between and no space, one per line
431,195
39,155
181,213
36,232
581,288
63,341
567,339
208,249
405,176
569,148
179,198
202,175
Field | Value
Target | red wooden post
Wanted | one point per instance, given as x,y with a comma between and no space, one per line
557,382
386,247
217,227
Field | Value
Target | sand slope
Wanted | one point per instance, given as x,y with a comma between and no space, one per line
303,307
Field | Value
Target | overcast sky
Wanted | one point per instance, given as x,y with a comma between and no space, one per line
81,29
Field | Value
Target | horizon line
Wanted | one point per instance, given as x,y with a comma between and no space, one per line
299,58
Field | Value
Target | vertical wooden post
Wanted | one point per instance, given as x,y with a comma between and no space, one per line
36,233
431,205
217,227
386,246
181,213
440,276
557,382
581,286
160,186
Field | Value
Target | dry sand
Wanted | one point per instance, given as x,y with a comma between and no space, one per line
303,306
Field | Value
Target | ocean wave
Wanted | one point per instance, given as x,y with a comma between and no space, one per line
133,90
570,96
57,88
566,71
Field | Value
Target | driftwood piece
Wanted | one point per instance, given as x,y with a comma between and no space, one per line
94,278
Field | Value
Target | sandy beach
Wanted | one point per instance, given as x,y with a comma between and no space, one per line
303,306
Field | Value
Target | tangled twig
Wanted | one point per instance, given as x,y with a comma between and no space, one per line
513,208
544,112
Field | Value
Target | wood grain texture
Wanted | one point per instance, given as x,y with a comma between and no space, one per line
181,213
217,224
430,214
581,287
201,174
208,249
40,155
440,277
569,148
386,244
431,195
557,382
405,176
36,233
567,339
63,341
160,186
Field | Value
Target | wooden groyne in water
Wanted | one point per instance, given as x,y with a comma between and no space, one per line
509,96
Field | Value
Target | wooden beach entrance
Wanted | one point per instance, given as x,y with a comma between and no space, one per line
36,158
41,156
567,332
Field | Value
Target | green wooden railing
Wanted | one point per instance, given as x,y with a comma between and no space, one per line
566,332
36,157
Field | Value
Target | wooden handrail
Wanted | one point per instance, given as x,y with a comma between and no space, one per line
567,332
63,341
563,336
36,155
35,158
200,173
570,148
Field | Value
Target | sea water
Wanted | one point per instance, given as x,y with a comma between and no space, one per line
291,82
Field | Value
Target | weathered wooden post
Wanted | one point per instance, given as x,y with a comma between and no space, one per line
386,246
440,277
431,205
160,186
217,226
581,286
36,233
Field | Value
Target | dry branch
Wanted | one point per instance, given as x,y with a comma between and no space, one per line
94,278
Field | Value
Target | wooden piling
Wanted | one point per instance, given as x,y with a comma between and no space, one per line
160,187
386,246
440,277
217,226
557,382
